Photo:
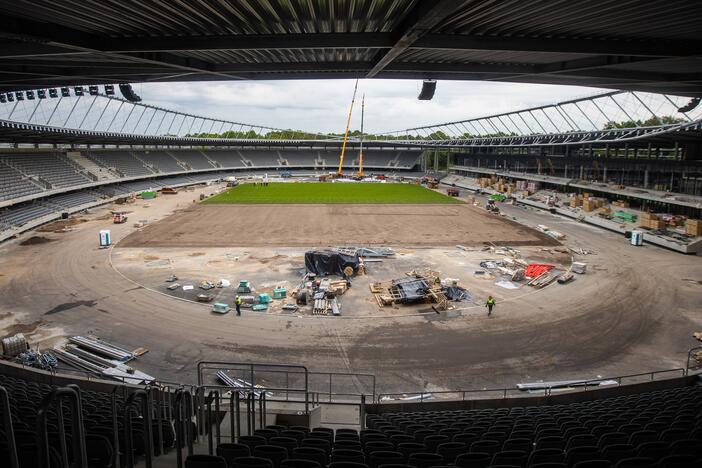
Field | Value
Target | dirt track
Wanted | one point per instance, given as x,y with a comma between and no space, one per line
321,225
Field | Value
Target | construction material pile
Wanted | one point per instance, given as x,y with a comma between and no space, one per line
511,269
101,358
423,286
330,262
322,294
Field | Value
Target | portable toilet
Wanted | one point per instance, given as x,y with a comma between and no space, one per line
105,238
636,238
244,287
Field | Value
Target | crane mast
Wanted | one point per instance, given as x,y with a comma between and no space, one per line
346,132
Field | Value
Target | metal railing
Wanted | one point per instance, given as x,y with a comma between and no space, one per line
514,392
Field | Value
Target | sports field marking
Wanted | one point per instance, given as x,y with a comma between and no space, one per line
330,193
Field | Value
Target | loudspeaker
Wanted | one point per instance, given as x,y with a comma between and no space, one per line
19,95
128,92
427,92
78,90
41,93
64,215
65,92
93,90
53,92
109,90
30,94
3,99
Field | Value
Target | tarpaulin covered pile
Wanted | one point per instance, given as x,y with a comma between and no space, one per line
327,262
457,293
537,269
410,289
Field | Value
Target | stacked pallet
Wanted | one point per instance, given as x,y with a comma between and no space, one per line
651,221
693,227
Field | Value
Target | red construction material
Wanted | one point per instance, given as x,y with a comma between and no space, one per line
537,269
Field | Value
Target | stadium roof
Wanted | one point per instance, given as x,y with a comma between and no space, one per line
647,45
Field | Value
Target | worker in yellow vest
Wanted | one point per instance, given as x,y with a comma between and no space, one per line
237,302
490,304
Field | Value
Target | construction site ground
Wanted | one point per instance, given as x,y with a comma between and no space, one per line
325,225
634,311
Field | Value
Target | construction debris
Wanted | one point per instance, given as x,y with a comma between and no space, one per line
698,335
102,348
241,384
366,252
421,286
32,358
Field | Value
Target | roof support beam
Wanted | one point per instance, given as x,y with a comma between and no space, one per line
74,41
420,21
559,45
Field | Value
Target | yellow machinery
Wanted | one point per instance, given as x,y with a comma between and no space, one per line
360,151
346,132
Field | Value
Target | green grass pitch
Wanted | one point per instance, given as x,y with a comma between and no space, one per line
329,193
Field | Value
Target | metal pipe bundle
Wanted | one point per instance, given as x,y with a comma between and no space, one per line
102,348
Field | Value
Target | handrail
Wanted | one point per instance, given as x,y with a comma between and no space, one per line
213,395
77,435
9,431
547,390
145,396
183,398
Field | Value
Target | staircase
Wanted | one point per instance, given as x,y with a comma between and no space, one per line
91,168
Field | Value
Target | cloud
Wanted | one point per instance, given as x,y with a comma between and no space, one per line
322,105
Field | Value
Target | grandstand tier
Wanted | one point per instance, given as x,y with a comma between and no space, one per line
102,429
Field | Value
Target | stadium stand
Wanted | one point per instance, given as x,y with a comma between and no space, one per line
159,160
264,158
14,185
195,160
661,429
70,200
227,158
54,169
123,162
23,214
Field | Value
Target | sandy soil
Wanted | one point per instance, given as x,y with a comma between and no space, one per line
322,225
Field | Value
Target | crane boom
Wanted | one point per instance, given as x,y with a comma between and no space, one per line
346,132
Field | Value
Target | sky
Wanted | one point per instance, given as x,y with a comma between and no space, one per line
322,105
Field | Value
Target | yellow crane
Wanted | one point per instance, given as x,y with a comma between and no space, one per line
339,173
360,151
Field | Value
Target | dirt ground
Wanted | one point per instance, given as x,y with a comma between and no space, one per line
634,311
323,225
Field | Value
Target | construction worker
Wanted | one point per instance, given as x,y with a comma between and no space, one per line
237,303
490,303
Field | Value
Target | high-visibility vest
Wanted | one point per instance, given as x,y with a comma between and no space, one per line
238,301
490,302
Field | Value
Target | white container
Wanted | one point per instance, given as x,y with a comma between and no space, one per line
636,238
105,238
579,268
